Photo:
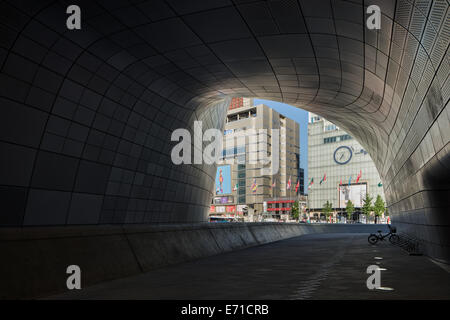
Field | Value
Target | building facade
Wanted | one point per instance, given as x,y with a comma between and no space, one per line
335,161
248,136
302,181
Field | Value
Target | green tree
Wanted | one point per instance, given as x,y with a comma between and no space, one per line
295,212
367,205
379,206
327,209
350,208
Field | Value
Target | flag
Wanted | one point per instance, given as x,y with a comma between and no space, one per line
288,187
380,184
324,178
350,181
254,186
310,183
236,186
359,176
274,184
297,186
340,183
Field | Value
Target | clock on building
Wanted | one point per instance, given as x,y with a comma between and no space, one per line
342,155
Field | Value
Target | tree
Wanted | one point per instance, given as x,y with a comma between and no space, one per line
350,208
327,209
367,205
378,206
295,212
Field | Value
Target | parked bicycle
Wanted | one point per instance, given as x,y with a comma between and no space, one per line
393,238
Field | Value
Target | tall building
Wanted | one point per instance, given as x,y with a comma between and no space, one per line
335,160
239,182
302,181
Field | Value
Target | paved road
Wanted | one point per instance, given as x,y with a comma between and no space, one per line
320,266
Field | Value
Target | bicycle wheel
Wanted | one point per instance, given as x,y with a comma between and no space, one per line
394,239
373,239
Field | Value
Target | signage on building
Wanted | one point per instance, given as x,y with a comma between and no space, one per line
240,208
354,192
230,209
223,180
223,200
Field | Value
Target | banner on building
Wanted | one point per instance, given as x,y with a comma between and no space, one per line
223,180
353,192
240,208
231,209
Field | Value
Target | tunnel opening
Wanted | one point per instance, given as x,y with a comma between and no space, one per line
87,115
327,138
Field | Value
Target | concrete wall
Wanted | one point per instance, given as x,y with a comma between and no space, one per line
34,260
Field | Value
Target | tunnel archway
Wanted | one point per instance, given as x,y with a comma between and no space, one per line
87,114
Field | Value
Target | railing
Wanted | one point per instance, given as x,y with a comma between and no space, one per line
409,244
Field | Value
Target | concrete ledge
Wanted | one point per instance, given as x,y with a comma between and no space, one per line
34,260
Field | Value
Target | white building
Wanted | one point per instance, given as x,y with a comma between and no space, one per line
334,153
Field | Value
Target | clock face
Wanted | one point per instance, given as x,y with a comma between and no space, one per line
342,155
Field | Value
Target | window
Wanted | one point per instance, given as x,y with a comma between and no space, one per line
240,149
329,140
337,138
315,119
243,115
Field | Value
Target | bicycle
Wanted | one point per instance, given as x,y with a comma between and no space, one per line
393,238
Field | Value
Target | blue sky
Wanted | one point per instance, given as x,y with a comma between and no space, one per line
300,116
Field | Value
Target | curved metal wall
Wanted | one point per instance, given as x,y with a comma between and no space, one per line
86,115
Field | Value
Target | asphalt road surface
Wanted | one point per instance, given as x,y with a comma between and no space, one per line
319,266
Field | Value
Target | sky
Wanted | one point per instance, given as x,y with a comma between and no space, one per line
298,115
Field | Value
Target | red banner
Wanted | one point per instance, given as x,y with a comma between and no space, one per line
231,208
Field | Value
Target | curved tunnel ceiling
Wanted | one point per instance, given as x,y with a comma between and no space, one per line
86,115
